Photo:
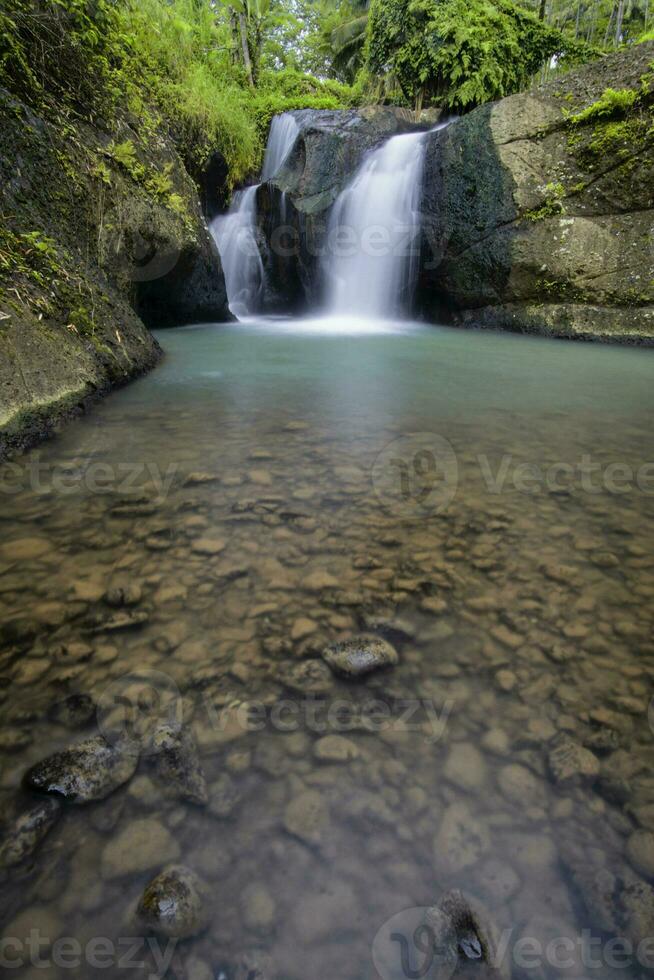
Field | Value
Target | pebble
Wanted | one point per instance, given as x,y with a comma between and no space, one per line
141,846
306,817
360,655
208,546
335,748
461,840
28,831
175,904
640,851
570,762
465,767
177,764
258,907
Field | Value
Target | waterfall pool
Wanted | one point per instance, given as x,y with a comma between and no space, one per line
483,501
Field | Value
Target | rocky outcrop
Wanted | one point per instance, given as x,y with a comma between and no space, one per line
538,222
101,237
294,207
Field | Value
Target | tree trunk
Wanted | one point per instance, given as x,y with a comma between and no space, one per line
245,47
543,7
236,40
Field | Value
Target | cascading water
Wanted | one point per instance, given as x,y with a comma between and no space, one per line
235,236
235,233
283,133
374,233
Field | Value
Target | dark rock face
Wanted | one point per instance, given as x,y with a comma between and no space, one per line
86,772
175,904
360,655
115,256
28,831
294,207
527,228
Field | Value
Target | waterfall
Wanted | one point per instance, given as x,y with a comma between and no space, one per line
283,133
235,235
374,233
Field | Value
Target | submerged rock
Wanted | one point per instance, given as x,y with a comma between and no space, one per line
177,763
75,711
175,904
461,840
360,655
85,772
570,762
142,846
306,816
461,931
307,677
26,834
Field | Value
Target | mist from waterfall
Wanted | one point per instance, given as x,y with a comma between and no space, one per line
374,233
235,233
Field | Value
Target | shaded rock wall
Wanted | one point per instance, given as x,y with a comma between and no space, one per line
96,245
535,224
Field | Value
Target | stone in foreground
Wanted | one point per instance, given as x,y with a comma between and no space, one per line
178,765
86,772
360,655
175,904
26,834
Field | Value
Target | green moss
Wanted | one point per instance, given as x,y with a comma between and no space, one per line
552,205
612,102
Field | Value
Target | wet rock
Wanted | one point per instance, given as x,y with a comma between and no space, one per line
88,771
465,766
520,786
224,797
120,622
175,904
306,817
126,595
461,931
332,911
14,739
258,907
75,711
570,762
141,846
29,830
498,881
177,764
360,655
461,841
307,677
208,546
335,748
24,549
640,851
302,628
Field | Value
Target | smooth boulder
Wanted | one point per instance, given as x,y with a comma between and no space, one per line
360,655
88,771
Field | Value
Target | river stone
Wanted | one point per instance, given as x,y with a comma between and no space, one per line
461,841
335,748
177,763
498,881
88,771
465,767
306,816
360,655
126,595
640,851
141,846
307,677
28,831
75,711
258,907
570,762
175,904
461,930
224,797
520,786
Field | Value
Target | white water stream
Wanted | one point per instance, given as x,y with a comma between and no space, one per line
374,233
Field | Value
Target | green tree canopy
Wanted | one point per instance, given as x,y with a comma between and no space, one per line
460,52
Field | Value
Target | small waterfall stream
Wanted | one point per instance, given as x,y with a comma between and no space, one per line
235,233
374,233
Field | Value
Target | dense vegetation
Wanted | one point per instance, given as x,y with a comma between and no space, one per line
215,72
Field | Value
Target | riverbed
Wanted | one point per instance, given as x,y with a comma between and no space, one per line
483,502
